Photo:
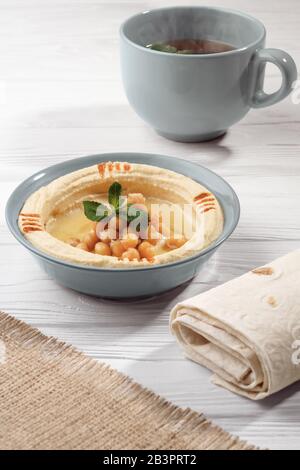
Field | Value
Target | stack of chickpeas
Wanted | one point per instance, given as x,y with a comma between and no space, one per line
109,240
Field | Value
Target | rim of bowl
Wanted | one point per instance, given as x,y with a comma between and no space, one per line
214,245
200,7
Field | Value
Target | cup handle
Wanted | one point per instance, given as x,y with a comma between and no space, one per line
288,70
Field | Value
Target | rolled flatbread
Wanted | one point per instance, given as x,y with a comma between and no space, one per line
247,331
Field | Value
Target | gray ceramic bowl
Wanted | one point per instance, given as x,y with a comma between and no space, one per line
124,283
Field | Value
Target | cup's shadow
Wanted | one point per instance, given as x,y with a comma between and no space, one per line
214,148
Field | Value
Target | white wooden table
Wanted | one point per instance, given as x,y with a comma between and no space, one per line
61,97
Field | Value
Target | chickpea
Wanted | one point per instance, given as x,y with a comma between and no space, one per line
136,198
73,241
154,221
100,226
139,207
114,224
131,254
90,239
153,235
157,222
106,236
102,249
117,248
146,250
83,246
173,243
130,240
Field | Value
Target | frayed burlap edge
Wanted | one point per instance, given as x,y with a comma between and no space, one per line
174,427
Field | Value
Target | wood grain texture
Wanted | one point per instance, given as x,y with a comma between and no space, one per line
61,97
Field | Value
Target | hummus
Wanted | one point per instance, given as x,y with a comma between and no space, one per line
55,214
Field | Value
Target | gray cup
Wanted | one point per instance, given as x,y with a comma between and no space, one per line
189,97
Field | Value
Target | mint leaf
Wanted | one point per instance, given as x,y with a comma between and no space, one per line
95,211
163,48
114,194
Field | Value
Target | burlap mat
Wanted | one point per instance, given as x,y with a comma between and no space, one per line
54,397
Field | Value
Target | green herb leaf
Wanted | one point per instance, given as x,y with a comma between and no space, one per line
163,48
95,211
114,194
